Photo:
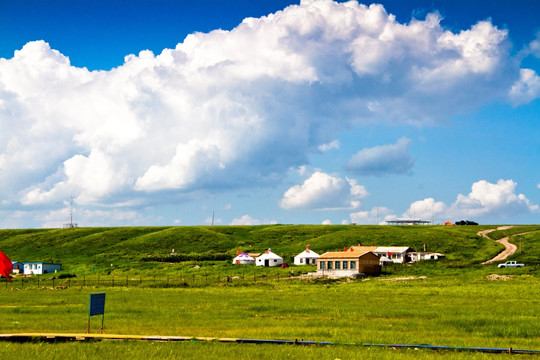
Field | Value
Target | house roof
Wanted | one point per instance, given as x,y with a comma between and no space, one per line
344,255
269,255
426,252
362,248
392,249
243,256
308,254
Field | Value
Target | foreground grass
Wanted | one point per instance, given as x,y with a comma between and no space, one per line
451,312
448,302
209,350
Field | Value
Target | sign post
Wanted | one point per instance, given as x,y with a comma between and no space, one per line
97,307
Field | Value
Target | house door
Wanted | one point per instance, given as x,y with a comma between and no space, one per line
266,262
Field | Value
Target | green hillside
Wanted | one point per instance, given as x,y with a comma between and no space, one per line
128,245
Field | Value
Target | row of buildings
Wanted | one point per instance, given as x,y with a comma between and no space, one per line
349,262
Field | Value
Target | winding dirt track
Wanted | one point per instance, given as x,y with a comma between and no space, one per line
509,248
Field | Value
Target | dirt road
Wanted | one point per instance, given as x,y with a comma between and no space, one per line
509,248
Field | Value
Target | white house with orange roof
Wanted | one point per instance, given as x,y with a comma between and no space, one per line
306,257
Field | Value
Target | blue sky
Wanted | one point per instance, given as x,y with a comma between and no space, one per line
162,112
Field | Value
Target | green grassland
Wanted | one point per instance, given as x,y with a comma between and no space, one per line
453,302
475,312
88,248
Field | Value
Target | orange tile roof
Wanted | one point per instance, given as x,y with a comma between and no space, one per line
343,255
362,248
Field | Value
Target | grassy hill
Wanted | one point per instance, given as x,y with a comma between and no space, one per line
126,246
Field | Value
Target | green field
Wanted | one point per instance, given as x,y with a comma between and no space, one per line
454,302
83,249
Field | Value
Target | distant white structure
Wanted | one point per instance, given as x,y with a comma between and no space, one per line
243,259
306,257
418,256
269,259
408,222
38,268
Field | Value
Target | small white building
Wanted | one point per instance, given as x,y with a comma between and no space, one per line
396,254
38,268
417,256
306,257
269,259
243,259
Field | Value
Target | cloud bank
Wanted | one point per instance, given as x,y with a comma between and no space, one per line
231,109
382,160
485,201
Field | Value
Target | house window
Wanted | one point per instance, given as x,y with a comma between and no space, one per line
329,265
345,265
275,260
321,266
353,264
301,261
337,265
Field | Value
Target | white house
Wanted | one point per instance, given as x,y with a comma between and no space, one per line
306,257
38,268
243,259
269,259
417,256
396,254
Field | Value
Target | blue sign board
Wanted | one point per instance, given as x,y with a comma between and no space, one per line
97,304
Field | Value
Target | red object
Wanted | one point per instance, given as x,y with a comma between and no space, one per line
307,250
345,248
389,254
267,252
284,265
351,248
238,252
5,266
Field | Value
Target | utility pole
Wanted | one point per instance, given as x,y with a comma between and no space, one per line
71,211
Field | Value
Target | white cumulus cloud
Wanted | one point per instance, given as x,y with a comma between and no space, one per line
486,200
232,109
324,191
377,215
527,88
248,220
425,209
491,199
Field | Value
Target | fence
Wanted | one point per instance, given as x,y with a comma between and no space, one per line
37,281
